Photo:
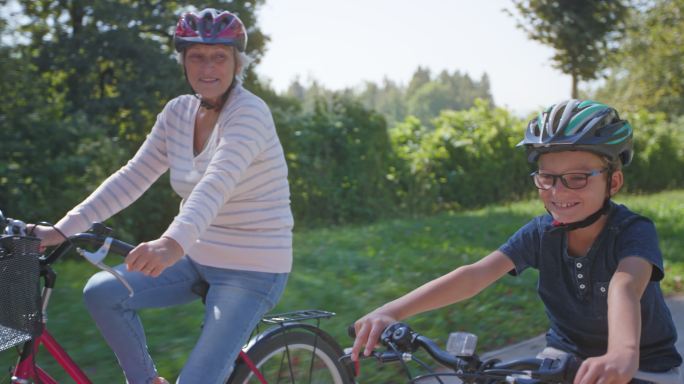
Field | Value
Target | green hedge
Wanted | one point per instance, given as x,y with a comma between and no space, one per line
470,158
658,153
338,157
345,164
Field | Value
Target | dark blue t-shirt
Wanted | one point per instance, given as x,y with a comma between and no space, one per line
574,290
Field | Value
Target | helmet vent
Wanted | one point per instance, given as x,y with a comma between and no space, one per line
555,120
583,125
192,23
210,27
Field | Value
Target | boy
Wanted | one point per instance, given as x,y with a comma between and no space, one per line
599,263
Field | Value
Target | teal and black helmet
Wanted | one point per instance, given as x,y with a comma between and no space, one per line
579,125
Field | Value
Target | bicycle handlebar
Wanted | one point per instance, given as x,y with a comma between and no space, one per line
98,235
401,341
97,258
86,238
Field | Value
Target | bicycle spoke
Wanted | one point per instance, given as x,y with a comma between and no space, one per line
295,357
313,357
289,363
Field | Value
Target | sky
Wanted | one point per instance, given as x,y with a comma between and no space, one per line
342,43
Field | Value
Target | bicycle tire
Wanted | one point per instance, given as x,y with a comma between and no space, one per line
286,357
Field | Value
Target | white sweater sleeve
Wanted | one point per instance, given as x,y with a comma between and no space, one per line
123,187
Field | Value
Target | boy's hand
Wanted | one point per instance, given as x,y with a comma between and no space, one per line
153,257
617,368
368,330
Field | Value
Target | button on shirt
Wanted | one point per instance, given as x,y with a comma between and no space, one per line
574,290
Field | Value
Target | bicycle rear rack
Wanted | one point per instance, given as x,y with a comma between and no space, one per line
286,317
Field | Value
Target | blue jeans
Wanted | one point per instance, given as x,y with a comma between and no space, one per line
235,303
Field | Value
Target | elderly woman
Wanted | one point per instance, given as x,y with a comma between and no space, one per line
234,226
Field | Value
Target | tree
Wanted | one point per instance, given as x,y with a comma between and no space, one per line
387,98
648,72
114,59
583,32
338,158
420,77
80,90
431,98
447,91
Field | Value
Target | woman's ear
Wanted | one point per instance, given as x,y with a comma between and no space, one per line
617,179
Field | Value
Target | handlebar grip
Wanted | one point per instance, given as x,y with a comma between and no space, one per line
120,247
388,356
351,331
117,246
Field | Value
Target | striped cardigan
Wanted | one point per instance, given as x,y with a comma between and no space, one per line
235,211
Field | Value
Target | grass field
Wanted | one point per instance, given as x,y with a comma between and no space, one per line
351,270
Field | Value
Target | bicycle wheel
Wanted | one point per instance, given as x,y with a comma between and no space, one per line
293,356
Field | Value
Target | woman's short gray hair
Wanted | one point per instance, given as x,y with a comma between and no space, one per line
243,62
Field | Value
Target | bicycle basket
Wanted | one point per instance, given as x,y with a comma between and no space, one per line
20,312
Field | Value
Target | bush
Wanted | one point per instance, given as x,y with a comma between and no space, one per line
338,157
658,153
469,159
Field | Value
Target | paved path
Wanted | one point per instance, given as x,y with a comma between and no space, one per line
531,347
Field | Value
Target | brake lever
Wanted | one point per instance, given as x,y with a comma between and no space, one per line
96,258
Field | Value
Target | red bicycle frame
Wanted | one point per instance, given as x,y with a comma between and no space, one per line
27,369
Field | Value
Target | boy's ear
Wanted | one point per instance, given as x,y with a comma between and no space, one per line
616,181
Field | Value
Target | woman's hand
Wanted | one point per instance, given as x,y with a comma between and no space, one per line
48,236
368,330
153,257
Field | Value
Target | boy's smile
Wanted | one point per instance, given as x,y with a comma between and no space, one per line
571,205
562,205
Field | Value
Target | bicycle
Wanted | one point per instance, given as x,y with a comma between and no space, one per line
464,364
293,348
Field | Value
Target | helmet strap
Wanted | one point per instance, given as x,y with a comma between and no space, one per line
224,97
558,227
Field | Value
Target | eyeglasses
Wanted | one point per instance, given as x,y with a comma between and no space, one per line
572,180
